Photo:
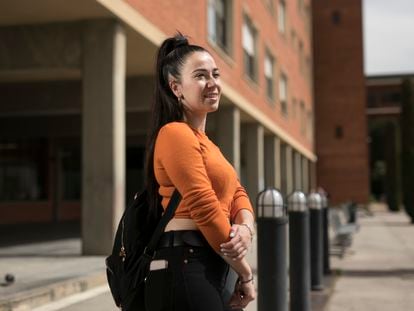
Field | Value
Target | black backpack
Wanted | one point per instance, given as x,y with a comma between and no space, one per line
135,241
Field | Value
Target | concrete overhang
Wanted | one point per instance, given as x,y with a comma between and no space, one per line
141,49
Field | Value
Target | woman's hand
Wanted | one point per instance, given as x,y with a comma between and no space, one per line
241,240
244,293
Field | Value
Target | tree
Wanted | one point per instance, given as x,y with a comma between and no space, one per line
407,146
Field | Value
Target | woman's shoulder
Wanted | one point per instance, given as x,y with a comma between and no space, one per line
176,131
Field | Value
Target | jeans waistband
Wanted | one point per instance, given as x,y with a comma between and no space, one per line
182,238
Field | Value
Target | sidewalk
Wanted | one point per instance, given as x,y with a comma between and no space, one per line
45,272
377,272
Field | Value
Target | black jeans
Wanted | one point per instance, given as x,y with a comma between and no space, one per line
195,280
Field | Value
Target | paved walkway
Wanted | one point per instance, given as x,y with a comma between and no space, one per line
378,271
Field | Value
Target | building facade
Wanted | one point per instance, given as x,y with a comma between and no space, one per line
76,87
340,119
384,107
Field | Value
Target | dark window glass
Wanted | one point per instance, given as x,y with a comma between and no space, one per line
336,17
23,170
71,173
339,132
269,88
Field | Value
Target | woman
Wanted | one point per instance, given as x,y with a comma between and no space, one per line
199,244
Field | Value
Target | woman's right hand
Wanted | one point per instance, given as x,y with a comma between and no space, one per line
244,293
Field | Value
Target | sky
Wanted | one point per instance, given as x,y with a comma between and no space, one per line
388,36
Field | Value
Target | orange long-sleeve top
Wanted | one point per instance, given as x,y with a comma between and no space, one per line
186,159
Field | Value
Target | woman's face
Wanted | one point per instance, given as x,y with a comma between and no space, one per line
200,84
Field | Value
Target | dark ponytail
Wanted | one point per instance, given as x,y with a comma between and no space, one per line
165,108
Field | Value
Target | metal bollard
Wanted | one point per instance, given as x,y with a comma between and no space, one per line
272,251
299,251
316,241
325,222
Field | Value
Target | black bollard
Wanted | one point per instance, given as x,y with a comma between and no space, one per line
299,252
272,251
316,241
325,222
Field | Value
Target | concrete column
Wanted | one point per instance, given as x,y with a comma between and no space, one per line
298,171
228,134
103,134
254,148
313,177
305,174
289,170
272,161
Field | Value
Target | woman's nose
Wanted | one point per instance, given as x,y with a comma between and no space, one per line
211,82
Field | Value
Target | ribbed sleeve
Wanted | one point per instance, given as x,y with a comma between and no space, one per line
240,201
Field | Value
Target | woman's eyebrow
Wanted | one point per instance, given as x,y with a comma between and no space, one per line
204,70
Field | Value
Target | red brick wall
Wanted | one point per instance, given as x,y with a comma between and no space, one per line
342,167
190,19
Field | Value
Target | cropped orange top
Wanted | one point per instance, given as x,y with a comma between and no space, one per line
186,159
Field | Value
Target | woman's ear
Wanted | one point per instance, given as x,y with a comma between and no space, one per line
175,87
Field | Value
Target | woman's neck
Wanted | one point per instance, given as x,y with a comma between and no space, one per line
196,122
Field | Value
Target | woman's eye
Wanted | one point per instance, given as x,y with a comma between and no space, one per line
216,75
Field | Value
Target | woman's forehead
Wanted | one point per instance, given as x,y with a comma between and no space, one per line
200,60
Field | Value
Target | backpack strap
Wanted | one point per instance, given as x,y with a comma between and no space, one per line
159,230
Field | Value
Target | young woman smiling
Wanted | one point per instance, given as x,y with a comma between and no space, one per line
213,224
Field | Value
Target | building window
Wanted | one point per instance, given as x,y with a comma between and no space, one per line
282,17
269,75
310,126
293,38
294,108
71,174
269,5
283,93
219,23
249,48
308,69
339,132
336,17
300,6
301,57
23,170
308,19
302,118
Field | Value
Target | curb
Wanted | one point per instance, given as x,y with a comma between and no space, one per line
36,297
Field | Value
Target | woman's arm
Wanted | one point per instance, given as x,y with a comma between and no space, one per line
244,291
242,233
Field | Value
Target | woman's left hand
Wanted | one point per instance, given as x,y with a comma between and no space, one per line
241,240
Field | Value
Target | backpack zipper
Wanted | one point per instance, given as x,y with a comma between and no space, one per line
122,252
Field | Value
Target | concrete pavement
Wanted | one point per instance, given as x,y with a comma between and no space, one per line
377,273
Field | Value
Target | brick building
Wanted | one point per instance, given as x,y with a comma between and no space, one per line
75,84
340,118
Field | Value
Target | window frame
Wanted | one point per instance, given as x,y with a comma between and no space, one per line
282,17
227,32
283,92
271,96
252,71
